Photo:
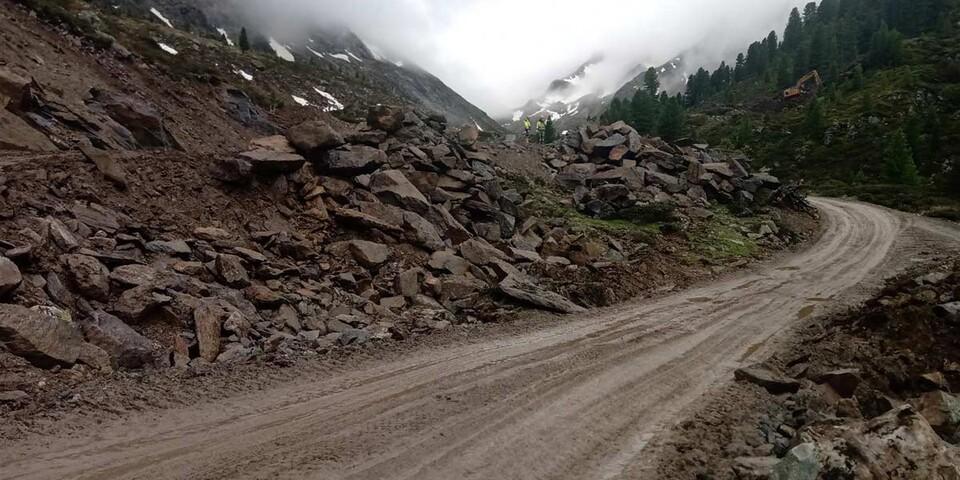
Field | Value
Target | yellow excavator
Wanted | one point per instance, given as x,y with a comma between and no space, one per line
810,82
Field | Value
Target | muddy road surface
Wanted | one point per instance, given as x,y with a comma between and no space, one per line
583,398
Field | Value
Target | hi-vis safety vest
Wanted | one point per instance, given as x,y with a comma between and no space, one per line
526,124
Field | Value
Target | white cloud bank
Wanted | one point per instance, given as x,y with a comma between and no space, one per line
500,53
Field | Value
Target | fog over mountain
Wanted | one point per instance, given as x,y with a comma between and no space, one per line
500,53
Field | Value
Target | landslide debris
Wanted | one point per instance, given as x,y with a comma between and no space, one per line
870,393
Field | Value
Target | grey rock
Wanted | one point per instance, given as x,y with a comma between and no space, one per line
88,276
230,271
800,463
353,336
393,187
45,337
369,254
385,117
172,247
769,380
352,160
10,277
526,291
133,275
449,261
313,138
126,347
269,162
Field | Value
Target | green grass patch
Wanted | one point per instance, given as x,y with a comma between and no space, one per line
721,239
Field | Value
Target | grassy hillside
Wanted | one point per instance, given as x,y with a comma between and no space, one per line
839,140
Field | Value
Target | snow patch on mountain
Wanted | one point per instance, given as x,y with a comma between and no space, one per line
159,15
281,50
333,104
340,56
246,76
300,101
167,48
225,36
318,54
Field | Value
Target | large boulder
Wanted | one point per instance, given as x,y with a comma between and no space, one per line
479,252
107,163
231,271
469,136
526,291
352,160
269,162
46,337
10,277
941,410
313,138
393,187
208,319
143,121
126,347
385,117
422,232
88,276
369,254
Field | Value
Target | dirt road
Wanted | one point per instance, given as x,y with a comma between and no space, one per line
581,399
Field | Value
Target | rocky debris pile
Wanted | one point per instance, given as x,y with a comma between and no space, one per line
41,119
615,170
872,395
394,229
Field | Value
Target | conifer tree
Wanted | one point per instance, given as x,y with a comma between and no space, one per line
671,120
898,161
793,35
550,131
815,123
651,81
244,41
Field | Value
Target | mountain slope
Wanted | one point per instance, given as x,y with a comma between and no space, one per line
584,94
343,66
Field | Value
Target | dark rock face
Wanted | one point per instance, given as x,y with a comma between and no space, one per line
142,120
386,118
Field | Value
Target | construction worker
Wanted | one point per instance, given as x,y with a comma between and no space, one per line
526,128
541,129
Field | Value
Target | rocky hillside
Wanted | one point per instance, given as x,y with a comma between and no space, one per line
866,394
291,63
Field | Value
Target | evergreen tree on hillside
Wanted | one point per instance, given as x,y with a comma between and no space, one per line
244,41
651,81
815,123
793,35
550,132
671,120
898,161
646,113
740,70
886,48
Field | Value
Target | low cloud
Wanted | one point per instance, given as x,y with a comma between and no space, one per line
500,53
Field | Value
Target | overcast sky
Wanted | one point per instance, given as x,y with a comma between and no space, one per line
500,53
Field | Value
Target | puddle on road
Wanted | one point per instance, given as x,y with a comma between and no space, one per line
750,351
788,269
700,300
806,312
